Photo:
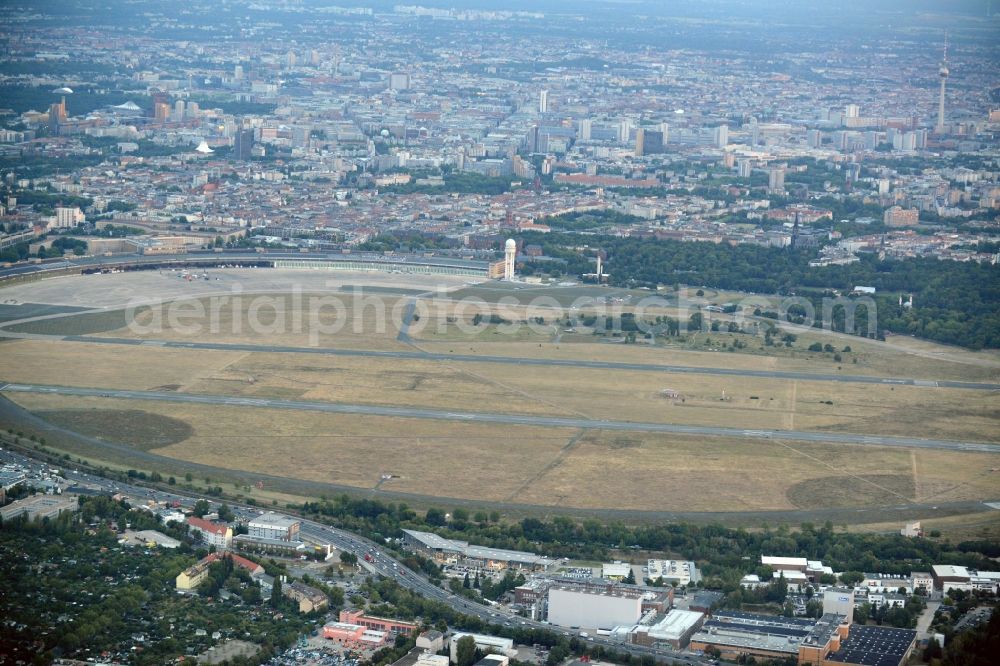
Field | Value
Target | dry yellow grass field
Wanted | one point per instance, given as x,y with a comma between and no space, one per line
757,403
108,366
381,381
557,466
430,457
669,472
872,359
337,320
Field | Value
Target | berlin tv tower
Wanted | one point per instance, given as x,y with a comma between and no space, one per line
943,74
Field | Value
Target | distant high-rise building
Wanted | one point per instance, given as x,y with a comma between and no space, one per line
57,114
665,131
648,142
67,217
543,101
776,180
161,112
178,112
943,74
744,168
814,138
290,59
583,129
243,144
625,130
720,136
754,132
852,111
300,136
399,81
238,72
158,97
192,110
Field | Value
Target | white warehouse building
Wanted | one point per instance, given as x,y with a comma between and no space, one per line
488,644
593,608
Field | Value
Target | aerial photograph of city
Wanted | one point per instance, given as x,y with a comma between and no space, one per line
500,332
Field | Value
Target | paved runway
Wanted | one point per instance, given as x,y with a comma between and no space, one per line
527,362
508,419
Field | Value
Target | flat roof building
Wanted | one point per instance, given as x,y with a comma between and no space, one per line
874,646
354,635
736,634
493,644
377,623
594,607
273,525
39,506
615,570
153,538
676,628
451,551
673,571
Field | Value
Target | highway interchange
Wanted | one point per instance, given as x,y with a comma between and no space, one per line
382,563
504,419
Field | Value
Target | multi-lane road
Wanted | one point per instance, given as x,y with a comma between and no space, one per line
504,419
382,562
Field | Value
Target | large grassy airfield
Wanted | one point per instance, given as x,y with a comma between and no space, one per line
535,467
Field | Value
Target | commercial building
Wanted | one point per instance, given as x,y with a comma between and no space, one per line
737,635
873,646
789,566
887,583
377,623
354,635
648,142
921,580
676,629
449,551
679,572
252,544
490,644
219,535
829,641
273,525
949,577
151,538
616,570
839,601
595,607
39,507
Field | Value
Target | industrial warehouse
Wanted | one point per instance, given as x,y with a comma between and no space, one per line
830,640
461,553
